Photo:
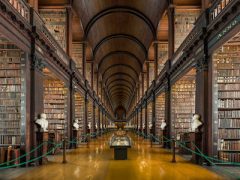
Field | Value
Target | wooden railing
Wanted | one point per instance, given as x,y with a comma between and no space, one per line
217,7
20,6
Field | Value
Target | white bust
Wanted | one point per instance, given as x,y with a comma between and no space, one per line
163,125
196,123
42,122
143,126
75,124
89,125
150,125
96,126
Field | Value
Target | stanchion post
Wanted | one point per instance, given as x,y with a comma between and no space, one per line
173,150
64,151
151,139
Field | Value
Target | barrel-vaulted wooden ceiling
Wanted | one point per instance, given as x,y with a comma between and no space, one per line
120,33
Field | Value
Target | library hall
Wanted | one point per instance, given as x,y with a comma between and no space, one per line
119,89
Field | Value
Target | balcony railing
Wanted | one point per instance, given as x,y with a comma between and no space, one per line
21,7
18,7
217,7
40,26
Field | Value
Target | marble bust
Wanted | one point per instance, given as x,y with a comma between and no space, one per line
89,125
150,125
196,123
42,122
75,124
163,125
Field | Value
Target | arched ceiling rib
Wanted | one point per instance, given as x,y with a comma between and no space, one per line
120,34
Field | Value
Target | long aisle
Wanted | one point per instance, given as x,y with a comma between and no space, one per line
96,162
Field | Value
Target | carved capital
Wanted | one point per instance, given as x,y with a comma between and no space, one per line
202,64
37,63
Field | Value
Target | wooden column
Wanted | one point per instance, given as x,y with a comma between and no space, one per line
153,115
143,84
205,4
137,118
34,101
69,31
85,124
97,84
99,114
148,64
167,131
84,59
141,119
146,118
171,34
34,4
92,74
202,103
155,60
94,118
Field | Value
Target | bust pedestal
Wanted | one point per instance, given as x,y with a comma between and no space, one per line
196,139
75,138
42,137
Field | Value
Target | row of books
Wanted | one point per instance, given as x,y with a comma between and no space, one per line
229,123
49,105
228,103
7,73
229,133
7,115
227,94
229,79
10,88
8,139
10,102
9,109
10,80
230,156
229,145
230,87
229,114
53,115
228,72
9,51
10,131
10,124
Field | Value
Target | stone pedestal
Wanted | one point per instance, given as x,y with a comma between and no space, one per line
196,139
41,138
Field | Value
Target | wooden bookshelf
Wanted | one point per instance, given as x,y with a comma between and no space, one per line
149,116
226,78
56,23
160,112
183,104
77,50
10,93
79,112
184,23
55,102
162,55
90,115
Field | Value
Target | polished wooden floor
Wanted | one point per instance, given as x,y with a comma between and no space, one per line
96,162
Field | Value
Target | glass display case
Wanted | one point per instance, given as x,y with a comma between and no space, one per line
120,141
120,145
